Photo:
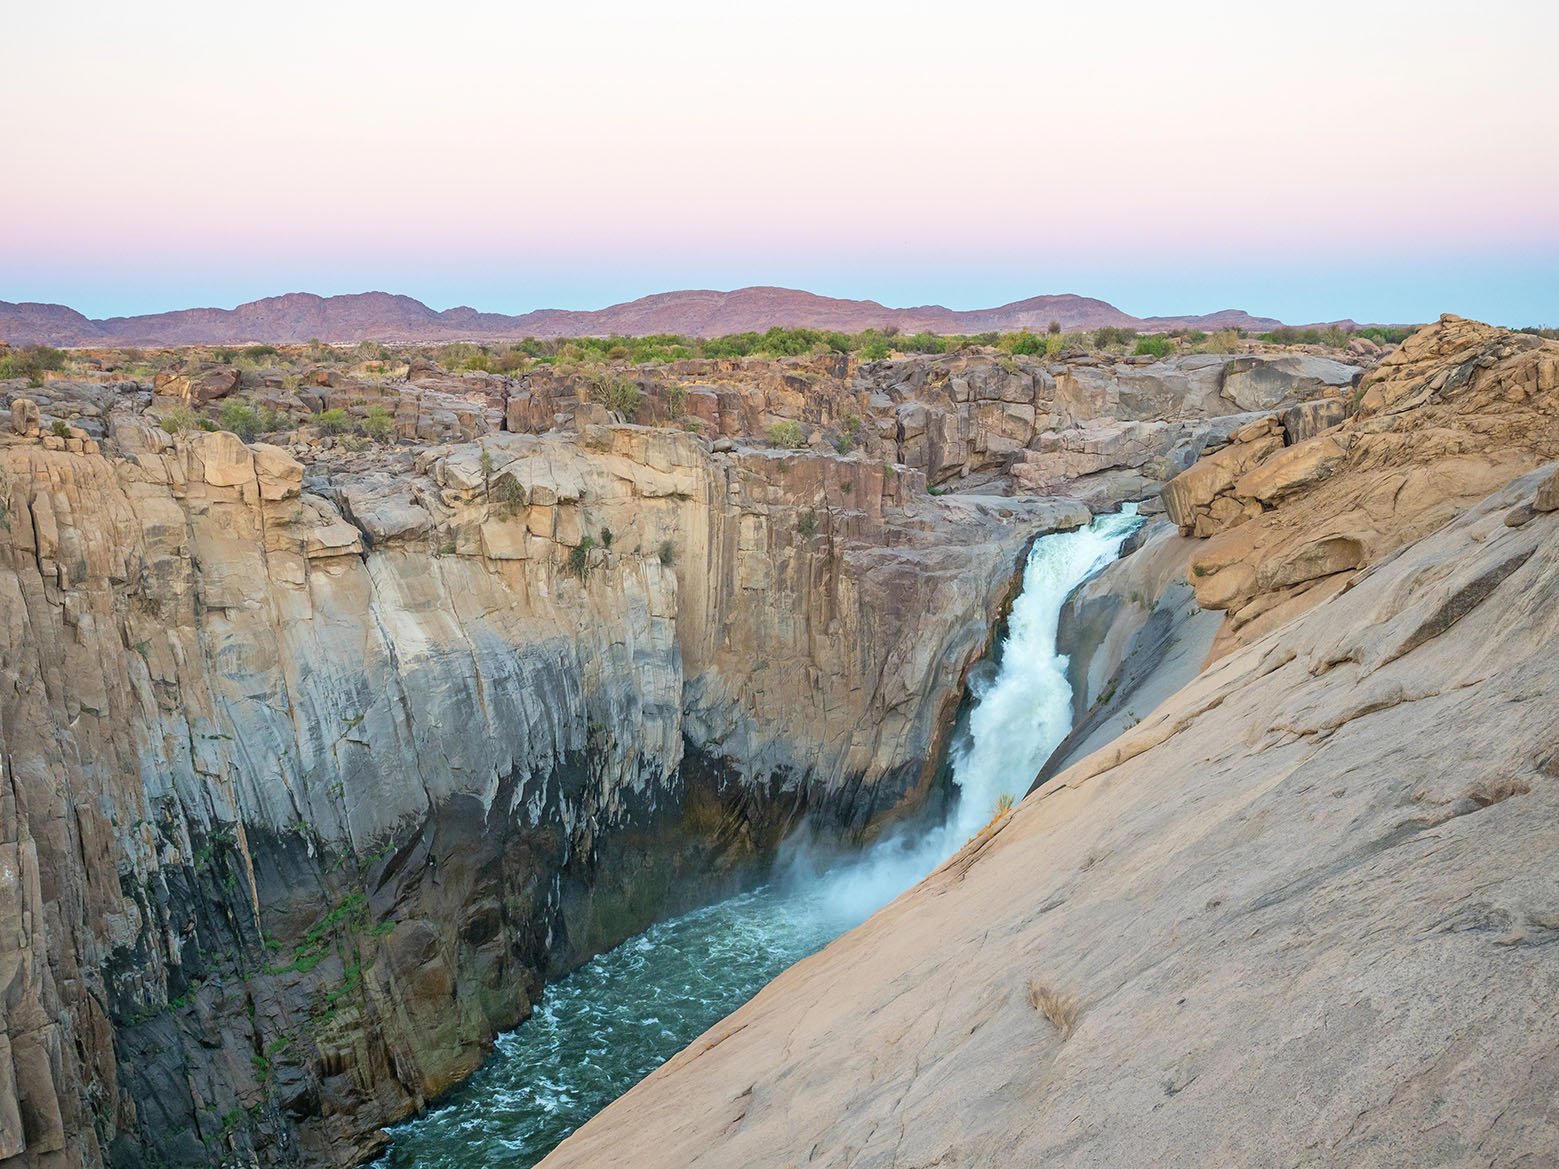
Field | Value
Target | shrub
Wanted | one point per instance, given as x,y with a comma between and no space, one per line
874,349
378,423
1023,344
843,443
579,557
332,421
31,363
667,553
1113,335
180,419
806,526
240,418
259,352
1223,341
787,434
676,400
1153,346
606,537
508,492
624,397
60,429
268,419
1054,328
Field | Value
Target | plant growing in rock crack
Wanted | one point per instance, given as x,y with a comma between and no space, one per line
667,553
487,472
1061,1010
579,557
508,493
806,526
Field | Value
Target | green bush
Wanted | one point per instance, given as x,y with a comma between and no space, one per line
60,429
579,557
787,434
624,397
378,423
332,421
1153,346
1023,344
31,363
260,352
239,418
806,526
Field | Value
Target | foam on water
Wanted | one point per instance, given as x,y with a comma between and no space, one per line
624,1013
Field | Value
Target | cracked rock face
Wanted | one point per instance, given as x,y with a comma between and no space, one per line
1305,912
309,780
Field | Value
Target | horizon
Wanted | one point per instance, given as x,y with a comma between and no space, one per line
1161,311
524,160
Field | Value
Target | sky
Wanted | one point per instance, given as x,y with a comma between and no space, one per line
1380,160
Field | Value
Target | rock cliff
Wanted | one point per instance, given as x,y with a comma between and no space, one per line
1302,912
311,776
320,754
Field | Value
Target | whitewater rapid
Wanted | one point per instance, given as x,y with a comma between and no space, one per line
611,1022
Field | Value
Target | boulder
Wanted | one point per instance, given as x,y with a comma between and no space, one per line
197,387
25,418
1547,498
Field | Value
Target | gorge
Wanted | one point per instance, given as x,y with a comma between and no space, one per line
324,753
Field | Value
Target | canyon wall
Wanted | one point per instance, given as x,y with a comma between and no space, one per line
310,780
1302,912
321,754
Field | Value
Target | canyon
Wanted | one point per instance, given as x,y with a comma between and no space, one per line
323,753
1295,907
378,316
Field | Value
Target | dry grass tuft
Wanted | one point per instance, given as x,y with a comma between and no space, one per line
1060,1009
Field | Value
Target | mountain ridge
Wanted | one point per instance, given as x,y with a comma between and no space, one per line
297,317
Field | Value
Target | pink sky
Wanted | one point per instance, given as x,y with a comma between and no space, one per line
1373,159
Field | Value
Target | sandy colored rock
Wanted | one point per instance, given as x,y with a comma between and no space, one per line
1303,913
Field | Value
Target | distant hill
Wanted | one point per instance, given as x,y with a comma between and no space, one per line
379,316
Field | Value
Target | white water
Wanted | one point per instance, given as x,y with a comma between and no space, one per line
618,1017
1018,718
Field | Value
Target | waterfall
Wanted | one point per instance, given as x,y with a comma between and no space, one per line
615,1019
1018,717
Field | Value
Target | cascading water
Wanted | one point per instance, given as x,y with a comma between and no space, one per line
614,1020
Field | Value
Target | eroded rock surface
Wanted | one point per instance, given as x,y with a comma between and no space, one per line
311,776
1304,913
